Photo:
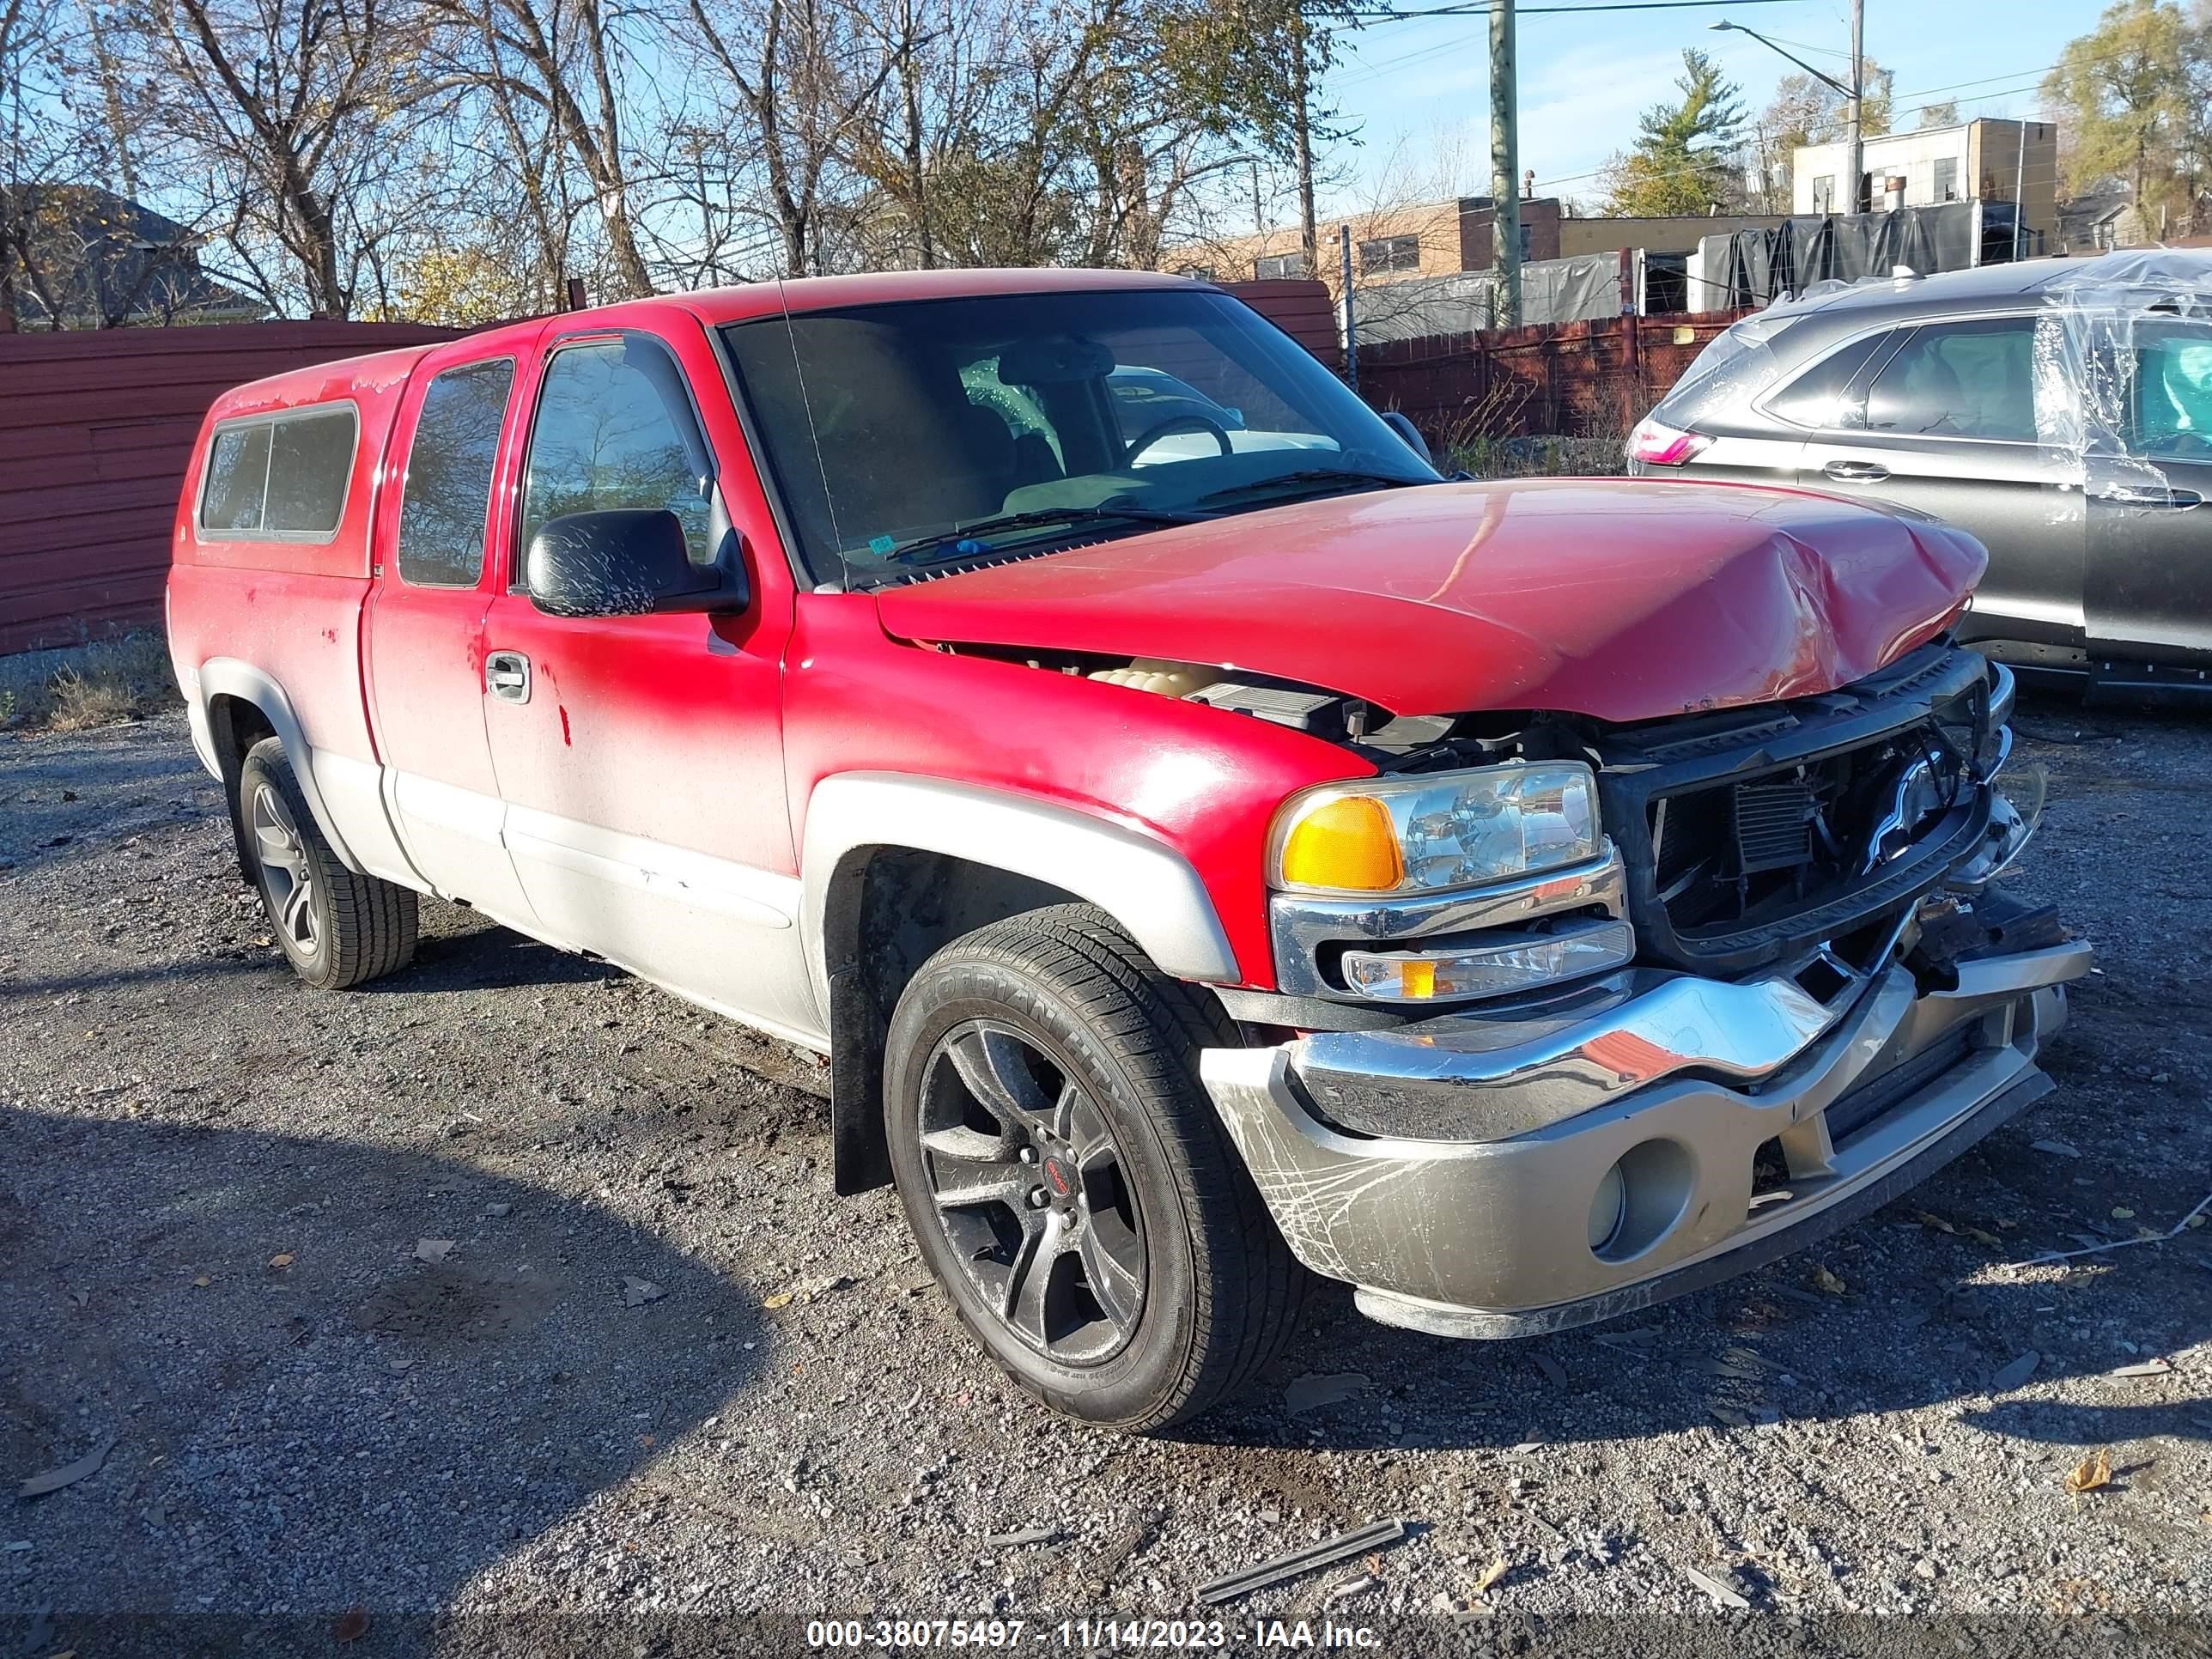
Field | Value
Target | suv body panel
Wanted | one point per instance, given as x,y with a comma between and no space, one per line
2078,580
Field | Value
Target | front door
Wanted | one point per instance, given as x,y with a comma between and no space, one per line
2150,509
426,625
640,757
1948,425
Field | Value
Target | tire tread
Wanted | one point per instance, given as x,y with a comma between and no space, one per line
375,924
1249,1288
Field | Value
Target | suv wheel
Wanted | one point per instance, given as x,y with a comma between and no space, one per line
1067,1177
336,927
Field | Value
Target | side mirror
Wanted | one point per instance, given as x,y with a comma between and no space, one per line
623,562
1396,421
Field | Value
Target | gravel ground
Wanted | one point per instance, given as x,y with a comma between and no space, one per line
645,1364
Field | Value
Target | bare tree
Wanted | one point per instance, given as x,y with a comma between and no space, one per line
806,76
278,120
566,59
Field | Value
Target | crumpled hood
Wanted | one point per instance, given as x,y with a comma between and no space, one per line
1625,599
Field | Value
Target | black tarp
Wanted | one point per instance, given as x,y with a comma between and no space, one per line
1757,267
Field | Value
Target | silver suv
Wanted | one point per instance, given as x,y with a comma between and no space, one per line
2061,409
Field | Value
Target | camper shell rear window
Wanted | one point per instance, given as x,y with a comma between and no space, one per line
280,477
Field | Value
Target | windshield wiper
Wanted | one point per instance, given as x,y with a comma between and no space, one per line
924,549
1344,478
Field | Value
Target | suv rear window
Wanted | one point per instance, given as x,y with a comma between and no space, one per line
1816,397
282,479
1973,379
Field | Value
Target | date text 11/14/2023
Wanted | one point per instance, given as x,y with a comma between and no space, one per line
1086,1634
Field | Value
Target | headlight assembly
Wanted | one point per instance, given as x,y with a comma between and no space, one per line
1438,831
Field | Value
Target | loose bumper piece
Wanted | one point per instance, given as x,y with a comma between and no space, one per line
1533,1170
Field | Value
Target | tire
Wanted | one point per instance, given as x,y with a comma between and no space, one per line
337,928
1053,1026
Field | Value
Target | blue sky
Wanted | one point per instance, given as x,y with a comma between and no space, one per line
1419,90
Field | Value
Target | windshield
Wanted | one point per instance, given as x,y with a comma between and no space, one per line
946,430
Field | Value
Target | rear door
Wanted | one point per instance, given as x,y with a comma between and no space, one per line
2149,579
1947,424
641,758
426,625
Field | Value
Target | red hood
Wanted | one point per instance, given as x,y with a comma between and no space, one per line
1625,599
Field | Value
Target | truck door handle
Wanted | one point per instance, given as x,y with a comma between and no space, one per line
506,676
1856,471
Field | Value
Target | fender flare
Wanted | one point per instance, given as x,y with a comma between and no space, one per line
229,677
1145,884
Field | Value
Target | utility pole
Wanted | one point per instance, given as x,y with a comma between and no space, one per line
1351,314
1854,109
2019,188
1505,160
1301,119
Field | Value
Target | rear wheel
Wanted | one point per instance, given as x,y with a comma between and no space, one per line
1067,1179
337,927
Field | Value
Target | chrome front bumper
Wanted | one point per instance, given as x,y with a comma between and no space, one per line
1463,1205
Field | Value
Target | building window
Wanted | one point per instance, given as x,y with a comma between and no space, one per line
1389,253
1947,179
1279,267
1824,194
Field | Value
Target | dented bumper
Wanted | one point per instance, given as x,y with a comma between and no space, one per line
1516,1171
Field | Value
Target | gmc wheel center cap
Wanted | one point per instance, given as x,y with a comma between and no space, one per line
1059,1178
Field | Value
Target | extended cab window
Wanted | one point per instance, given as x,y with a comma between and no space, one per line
279,480
615,429
1959,380
449,499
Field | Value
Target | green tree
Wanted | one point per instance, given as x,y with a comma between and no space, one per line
2132,94
1681,163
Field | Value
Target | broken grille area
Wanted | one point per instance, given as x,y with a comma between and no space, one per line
1752,852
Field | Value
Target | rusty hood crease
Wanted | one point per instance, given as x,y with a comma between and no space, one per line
1621,599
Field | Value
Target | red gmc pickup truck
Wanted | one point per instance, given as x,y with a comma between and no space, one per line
1212,850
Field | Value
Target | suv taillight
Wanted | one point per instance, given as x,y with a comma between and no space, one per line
1657,444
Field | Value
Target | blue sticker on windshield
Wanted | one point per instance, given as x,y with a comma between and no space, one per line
880,545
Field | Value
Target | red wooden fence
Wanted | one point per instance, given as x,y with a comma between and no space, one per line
96,427
1592,380
1302,309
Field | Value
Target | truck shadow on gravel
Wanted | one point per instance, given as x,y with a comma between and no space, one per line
479,955
308,1407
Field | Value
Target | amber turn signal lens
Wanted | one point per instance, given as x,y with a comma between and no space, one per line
1348,843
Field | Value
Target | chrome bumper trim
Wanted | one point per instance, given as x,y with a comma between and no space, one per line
1510,1070
1496,1230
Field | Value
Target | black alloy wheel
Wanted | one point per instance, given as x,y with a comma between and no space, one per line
1028,1188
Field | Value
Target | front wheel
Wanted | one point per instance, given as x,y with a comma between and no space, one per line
1067,1179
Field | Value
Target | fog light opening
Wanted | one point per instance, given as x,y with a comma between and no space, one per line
1607,1210
1656,1180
